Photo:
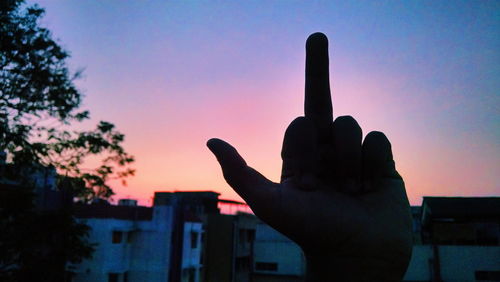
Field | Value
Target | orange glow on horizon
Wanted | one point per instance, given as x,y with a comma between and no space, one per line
181,73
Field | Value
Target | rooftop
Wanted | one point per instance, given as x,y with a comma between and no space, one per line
110,211
460,207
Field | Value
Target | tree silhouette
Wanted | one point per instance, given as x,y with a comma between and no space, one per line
39,102
39,106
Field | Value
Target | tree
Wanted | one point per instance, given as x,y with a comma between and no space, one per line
39,102
39,106
58,239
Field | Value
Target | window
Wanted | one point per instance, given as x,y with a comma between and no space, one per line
487,234
266,266
487,275
192,276
113,277
202,256
251,235
130,237
194,240
246,235
242,236
242,263
117,237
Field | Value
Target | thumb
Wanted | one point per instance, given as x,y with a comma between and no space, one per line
252,186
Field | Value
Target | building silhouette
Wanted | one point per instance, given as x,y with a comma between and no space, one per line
184,237
456,239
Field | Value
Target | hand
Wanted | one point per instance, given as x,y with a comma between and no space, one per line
341,200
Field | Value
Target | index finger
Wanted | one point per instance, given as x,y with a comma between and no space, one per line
318,102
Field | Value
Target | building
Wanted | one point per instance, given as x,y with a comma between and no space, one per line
191,266
242,248
189,213
33,204
276,258
39,180
218,256
185,237
182,237
456,239
134,243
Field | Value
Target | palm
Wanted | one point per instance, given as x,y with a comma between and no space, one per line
338,195
363,226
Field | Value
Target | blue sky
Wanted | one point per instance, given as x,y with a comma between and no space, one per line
172,74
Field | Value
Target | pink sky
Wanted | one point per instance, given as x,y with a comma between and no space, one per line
172,75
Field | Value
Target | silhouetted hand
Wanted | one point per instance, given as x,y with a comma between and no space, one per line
340,199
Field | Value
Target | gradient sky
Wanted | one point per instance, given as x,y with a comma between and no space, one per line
173,74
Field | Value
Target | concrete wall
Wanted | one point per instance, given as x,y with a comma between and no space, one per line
151,253
191,255
420,267
272,247
144,257
108,257
457,263
218,260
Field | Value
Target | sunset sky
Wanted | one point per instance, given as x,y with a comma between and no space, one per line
172,74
